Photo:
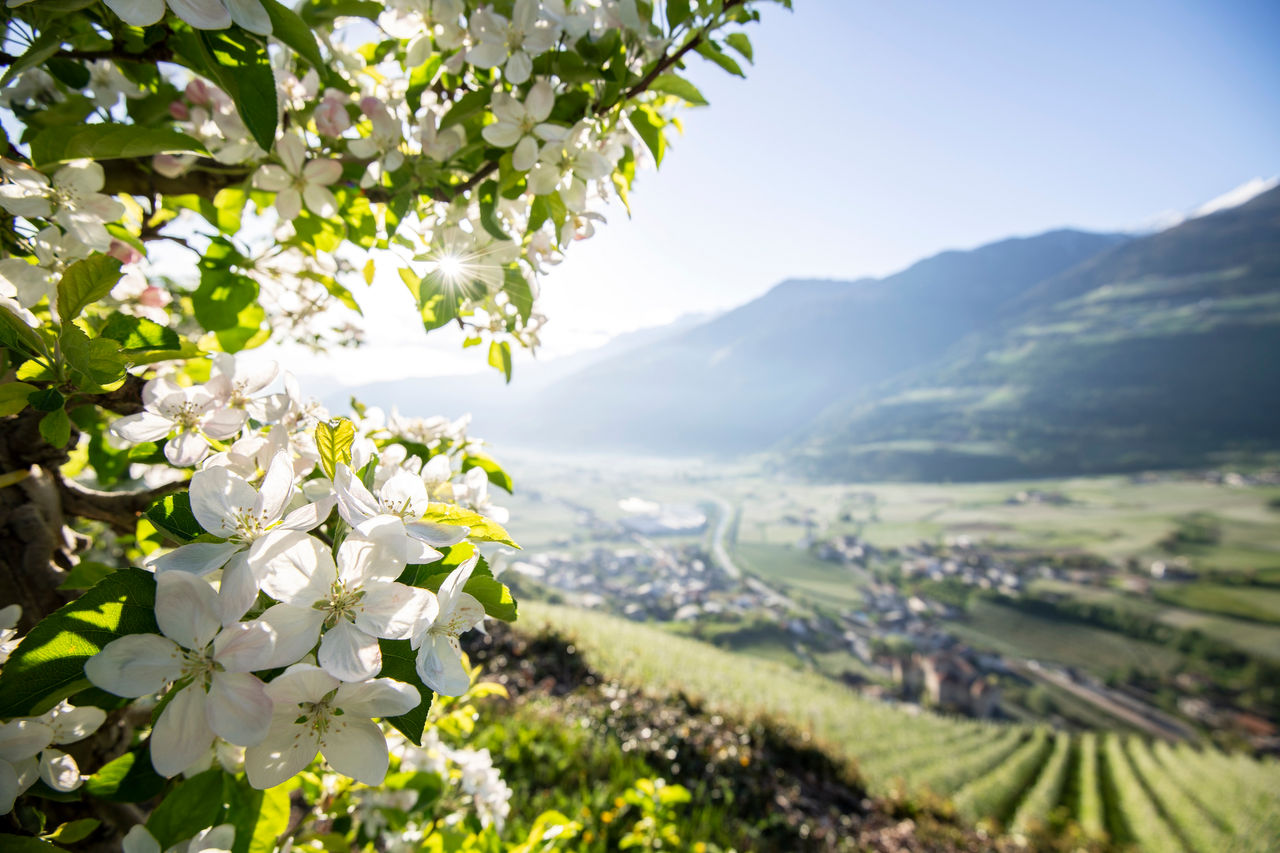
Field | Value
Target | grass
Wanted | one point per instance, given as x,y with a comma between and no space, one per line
805,577
1257,604
1009,631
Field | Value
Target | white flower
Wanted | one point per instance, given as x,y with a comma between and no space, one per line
299,180
107,84
29,283
331,116
235,383
316,713
354,601
404,498
522,125
201,14
381,146
439,663
20,742
189,417
565,162
476,482
230,507
215,839
72,199
9,617
514,42
222,697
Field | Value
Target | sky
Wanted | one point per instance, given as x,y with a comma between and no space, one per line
871,134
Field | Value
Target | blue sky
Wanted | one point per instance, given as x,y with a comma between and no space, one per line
870,134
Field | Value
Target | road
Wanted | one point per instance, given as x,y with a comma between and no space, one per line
1150,720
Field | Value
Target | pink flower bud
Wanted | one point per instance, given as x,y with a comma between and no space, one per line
198,92
169,165
179,111
331,117
123,252
155,297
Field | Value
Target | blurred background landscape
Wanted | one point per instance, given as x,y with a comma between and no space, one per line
873,543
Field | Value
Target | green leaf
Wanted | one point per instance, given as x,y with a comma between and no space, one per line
519,292
712,51
84,283
500,357
56,145
68,71
489,210
55,428
46,399
294,32
742,44
45,46
48,665
497,476
25,844
483,529
648,125
260,817
172,514
238,62
495,597
333,440
247,332
13,397
97,360
76,830
221,297
19,337
138,334
127,779
671,84
85,574
677,13
190,807
398,662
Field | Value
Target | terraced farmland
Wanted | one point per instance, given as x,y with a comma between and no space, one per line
1156,798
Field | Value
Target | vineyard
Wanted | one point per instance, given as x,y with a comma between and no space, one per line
1155,797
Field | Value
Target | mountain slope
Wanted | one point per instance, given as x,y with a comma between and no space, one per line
745,380
1160,352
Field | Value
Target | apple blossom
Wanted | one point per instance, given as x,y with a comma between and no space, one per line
354,601
522,125
316,713
200,14
214,839
218,695
511,43
404,499
188,417
439,662
299,180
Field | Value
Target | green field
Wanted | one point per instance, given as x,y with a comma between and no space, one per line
1157,800
1258,604
803,576
1009,631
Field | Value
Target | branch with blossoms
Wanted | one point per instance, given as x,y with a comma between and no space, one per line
240,592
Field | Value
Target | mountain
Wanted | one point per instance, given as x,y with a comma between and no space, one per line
749,378
1162,351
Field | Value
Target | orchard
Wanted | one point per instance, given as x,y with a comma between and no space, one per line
233,618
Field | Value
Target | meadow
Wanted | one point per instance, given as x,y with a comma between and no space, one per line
1007,776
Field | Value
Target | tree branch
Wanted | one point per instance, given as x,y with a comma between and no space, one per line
118,509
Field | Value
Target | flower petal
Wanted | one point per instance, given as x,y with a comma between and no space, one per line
238,708
322,172
440,666
144,426
195,558
272,178
187,610
186,449
295,568
285,752
277,488
135,665
137,13
297,630
182,735
356,748
300,684
288,203
540,100
320,201
59,770
22,739
245,646
309,516
202,14
392,610
348,653
139,840
501,134
525,155
219,498
238,589
250,15
379,697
